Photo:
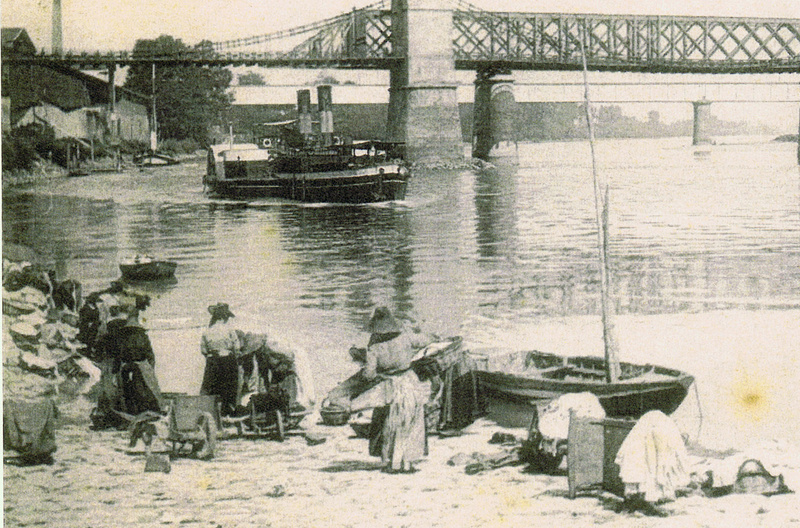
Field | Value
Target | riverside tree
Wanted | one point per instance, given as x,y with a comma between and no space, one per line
190,99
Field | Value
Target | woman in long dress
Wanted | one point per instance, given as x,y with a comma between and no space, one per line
128,382
397,432
135,363
220,345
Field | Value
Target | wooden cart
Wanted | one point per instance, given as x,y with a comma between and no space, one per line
269,413
194,422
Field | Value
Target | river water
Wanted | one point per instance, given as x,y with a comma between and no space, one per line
705,252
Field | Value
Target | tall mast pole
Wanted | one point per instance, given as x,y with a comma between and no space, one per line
154,131
601,196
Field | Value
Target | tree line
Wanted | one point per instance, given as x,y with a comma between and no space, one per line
189,100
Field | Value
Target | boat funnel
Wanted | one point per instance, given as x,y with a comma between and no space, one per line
304,113
325,104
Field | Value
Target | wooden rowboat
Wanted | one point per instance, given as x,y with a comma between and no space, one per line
147,269
515,382
525,379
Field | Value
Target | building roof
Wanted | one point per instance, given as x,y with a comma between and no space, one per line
97,87
16,40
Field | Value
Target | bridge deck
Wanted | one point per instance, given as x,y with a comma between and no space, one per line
486,40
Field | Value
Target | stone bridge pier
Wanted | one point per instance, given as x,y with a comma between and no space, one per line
495,118
423,107
702,115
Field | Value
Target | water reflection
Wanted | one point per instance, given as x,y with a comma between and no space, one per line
494,256
495,205
351,257
495,194
511,242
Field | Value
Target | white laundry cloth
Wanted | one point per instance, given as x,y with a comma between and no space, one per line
653,459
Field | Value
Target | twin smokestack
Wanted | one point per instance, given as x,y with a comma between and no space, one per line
325,106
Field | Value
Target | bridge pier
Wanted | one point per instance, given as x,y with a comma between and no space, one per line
423,107
702,113
495,118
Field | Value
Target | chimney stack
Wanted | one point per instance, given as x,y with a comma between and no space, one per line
57,37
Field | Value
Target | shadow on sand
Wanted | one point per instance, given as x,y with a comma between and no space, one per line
352,465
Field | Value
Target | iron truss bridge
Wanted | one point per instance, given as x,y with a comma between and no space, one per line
493,41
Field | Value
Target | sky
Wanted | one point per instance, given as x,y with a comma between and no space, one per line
90,25
101,25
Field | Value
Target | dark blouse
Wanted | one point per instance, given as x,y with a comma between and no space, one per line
132,344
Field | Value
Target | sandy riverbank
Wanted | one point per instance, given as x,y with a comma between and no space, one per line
45,170
96,481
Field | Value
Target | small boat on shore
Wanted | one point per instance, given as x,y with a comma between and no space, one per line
144,268
518,381
88,171
514,383
154,159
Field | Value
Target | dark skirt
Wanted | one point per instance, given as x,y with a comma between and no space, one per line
376,437
140,388
221,379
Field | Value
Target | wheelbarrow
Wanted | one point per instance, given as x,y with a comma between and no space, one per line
269,413
194,422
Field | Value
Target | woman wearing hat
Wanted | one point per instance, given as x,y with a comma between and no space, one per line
397,433
136,363
128,380
220,345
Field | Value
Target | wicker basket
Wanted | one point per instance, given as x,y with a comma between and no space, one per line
334,416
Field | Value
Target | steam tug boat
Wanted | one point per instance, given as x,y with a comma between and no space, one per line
287,160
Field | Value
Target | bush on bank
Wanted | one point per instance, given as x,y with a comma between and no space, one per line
179,146
26,144
32,151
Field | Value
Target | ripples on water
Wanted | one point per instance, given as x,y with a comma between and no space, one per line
467,253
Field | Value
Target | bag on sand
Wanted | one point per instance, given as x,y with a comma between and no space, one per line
29,428
753,477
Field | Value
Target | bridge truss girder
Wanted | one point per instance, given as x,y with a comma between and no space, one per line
530,41
489,42
365,34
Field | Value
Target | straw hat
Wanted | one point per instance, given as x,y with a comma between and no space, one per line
382,322
220,311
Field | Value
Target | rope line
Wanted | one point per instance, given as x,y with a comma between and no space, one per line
699,410
286,33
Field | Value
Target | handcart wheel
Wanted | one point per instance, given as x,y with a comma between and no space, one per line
279,425
208,428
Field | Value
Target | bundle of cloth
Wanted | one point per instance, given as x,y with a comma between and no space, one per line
29,428
548,433
653,461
